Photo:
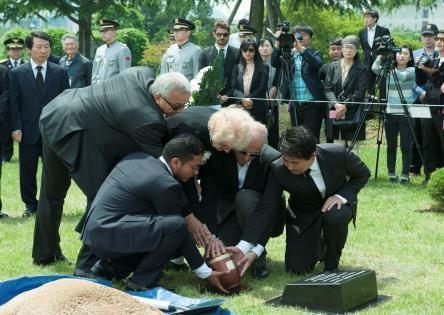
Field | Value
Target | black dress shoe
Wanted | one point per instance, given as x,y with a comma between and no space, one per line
260,272
50,260
27,213
132,286
84,274
3,215
103,269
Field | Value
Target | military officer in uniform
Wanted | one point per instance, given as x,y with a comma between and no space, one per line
183,56
112,57
14,45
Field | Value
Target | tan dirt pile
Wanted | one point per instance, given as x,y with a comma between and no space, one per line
75,296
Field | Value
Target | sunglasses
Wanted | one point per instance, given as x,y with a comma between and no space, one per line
253,155
222,34
251,50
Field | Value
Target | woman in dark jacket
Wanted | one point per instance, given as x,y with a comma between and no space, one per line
250,80
347,81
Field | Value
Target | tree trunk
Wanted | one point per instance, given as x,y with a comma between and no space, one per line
257,16
272,16
85,34
233,13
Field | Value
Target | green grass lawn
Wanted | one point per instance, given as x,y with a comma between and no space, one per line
404,247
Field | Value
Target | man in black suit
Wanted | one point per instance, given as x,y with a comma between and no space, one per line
84,141
323,182
232,184
138,230
301,81
367,38
14,45
31,87
78,66
221,32
4,86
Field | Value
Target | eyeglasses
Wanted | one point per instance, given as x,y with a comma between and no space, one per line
222,34
253,155
439,39
251,50
176,108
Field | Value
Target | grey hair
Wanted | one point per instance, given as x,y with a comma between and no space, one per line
169,82
69,36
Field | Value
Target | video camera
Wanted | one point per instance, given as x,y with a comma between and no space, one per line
286,39
427,61
385,45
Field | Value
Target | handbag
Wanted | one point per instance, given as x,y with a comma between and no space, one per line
348,123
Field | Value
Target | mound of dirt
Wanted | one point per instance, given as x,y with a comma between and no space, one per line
75,296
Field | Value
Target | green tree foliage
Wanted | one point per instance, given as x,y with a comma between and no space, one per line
128,17
152,56
56,35
136,41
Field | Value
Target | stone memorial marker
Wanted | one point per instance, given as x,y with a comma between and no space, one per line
340,291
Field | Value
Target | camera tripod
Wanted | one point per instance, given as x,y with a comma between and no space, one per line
387,71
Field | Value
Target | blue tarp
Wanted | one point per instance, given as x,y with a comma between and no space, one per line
11,288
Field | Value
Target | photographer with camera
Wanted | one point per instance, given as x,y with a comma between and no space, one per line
428,51
431,75
300,76
395,120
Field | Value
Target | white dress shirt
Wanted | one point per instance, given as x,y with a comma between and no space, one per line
34,68
12,61
224,48
242,173
371,35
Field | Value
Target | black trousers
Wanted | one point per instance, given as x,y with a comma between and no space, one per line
327,234
3,135
28,160
8,144
416,163
309,115
433,142
147,267
90,172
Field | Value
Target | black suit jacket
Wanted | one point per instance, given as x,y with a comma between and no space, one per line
258,88
434,82
79,71
208,55
343,173
137,190
353,89
120,114
10,66
220,183
311,63
27,102
4,87
370,52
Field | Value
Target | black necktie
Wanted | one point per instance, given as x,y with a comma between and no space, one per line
39,79
15,63
310,181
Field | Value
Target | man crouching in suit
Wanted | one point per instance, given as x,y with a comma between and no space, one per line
135,223
232,184
323,182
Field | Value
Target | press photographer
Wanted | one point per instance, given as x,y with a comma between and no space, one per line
430,73
300,76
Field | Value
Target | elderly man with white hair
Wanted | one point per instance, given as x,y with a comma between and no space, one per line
78,66
86,131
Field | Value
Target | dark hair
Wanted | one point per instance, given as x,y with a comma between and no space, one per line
373,13
29,40
257,57
184,147
266,39
297,142
336,42
221,24
411,62
303,28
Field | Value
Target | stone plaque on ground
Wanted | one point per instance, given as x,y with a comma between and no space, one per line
340,291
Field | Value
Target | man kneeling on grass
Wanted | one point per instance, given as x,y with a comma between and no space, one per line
135,224
323,182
